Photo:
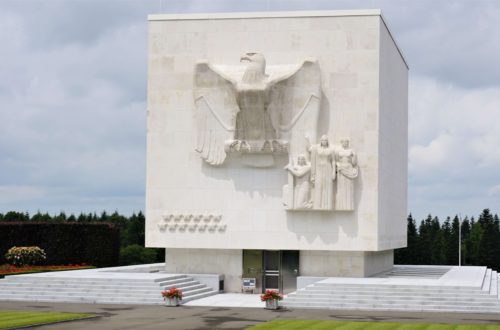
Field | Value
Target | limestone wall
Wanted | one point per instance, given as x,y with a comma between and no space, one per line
361,71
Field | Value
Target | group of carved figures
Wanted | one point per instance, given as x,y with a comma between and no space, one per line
325,182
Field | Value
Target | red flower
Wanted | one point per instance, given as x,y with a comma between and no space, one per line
172,293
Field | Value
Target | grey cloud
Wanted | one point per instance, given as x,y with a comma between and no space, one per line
53,23
73,99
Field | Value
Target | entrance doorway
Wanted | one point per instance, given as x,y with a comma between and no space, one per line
272,269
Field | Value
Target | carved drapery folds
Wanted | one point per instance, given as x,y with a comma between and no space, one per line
311,184
347,170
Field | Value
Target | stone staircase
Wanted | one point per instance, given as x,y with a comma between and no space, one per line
99,290
408,294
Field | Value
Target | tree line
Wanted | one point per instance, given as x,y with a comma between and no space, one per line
436,243
132,231
432,242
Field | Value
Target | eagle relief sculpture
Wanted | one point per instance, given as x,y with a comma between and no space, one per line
258,112
254,112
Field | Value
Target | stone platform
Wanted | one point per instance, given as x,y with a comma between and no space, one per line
118,285
404,288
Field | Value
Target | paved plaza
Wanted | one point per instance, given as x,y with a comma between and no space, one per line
190,317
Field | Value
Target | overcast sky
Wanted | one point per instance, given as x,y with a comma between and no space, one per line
73,100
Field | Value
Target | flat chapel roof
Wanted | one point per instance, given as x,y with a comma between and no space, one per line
277,14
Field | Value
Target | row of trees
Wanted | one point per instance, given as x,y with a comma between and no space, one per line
436,243
132,231
432,242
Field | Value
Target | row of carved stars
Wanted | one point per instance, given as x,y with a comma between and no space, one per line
192,228
206,217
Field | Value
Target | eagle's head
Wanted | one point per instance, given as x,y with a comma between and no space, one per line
256,69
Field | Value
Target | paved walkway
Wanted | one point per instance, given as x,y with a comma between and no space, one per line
190,317
229,300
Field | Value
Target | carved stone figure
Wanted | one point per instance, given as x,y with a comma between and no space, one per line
298,188
347,171
251,111
322,174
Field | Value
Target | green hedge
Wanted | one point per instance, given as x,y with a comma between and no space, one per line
96,244
137,255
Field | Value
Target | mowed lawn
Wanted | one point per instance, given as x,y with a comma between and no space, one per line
341,325
14,319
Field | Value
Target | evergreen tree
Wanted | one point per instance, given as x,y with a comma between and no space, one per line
466,247
446,235
60,218
438,256
16,216
425,242
453,242
82,218
412,254
489,243
473,243
136,229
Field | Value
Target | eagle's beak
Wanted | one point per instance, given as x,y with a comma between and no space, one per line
244,58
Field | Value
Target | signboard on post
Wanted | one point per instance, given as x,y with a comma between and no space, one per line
249,284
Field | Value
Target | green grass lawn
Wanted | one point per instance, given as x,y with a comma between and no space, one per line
341,325
14,319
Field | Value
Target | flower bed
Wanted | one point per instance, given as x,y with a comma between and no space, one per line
14,270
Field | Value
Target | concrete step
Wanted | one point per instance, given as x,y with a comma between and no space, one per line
76,282
99,290
103,295
174,281
79,290
354,296
199,295
305,294
179,285
487,281
494,284
197,291
388,301
385,287
415,291
61,286
58,297
39,279
116,282
89,300
107,300
415,308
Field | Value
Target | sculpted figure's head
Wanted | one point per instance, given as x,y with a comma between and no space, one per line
301,160
324,141
345,143
256,68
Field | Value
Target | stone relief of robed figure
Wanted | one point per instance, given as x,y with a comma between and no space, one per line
254,110
311,185
347,170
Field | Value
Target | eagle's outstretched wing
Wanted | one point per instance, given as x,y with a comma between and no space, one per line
216,110
294,105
